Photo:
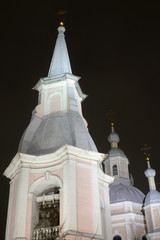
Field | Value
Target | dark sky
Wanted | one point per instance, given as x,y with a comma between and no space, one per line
115,48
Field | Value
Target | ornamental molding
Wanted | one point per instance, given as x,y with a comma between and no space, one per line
63,154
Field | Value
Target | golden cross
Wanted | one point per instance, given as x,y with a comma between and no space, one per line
61,16
145,150
110,115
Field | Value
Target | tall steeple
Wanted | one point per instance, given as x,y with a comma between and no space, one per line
116,164
152,205
57,187
153,195
58,117
60,62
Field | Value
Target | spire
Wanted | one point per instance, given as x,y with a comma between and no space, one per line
150,174
60,62
153,195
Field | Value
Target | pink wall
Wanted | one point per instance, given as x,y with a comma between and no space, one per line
85,223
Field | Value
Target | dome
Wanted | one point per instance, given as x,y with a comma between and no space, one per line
121,192
44,136
113,136
150,172
116,152
152,197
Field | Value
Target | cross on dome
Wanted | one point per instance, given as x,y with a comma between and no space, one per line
61,16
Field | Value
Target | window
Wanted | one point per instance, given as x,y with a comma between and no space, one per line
48,215
144,237
115,170
117,238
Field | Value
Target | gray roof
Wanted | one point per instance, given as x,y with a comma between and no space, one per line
44,136
123,192
60,62
116,152
152,197
113,136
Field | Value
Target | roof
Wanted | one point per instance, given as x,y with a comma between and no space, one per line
152,197
123,192
60,62
116,152
46,135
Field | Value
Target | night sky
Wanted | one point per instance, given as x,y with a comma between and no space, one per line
115,48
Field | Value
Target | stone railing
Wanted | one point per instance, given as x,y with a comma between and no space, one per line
46,233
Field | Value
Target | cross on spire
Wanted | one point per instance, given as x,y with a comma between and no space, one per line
61,16
110,115
146,150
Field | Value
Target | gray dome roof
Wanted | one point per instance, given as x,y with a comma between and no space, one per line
113,137
44,136
116,152
150,172
152,197
121,192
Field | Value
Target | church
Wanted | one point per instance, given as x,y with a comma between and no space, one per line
61,187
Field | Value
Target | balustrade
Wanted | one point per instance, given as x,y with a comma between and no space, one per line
46,233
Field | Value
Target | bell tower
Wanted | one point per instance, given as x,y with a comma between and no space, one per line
57,187
152,200
116,163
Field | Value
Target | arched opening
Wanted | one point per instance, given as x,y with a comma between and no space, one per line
144,237
117,237
46,207
115,170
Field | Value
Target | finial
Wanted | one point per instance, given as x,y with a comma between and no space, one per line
61,16
146,152
110,119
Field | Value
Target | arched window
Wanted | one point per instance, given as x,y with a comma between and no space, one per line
49,209
45,210
115,170
117,237
48,215
144,237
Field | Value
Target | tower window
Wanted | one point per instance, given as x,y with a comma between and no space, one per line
115,170
117,237
144,238
48,219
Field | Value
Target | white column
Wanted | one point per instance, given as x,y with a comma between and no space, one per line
21,204
108,225
72,195
128,229
69,196
96,202
9,210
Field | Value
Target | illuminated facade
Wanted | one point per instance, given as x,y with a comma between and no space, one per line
61,187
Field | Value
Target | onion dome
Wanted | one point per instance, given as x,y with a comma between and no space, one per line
123,192
149,172
153,196
113,137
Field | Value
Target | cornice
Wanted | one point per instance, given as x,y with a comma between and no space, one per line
22,160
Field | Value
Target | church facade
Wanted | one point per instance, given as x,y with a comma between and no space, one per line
61,187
